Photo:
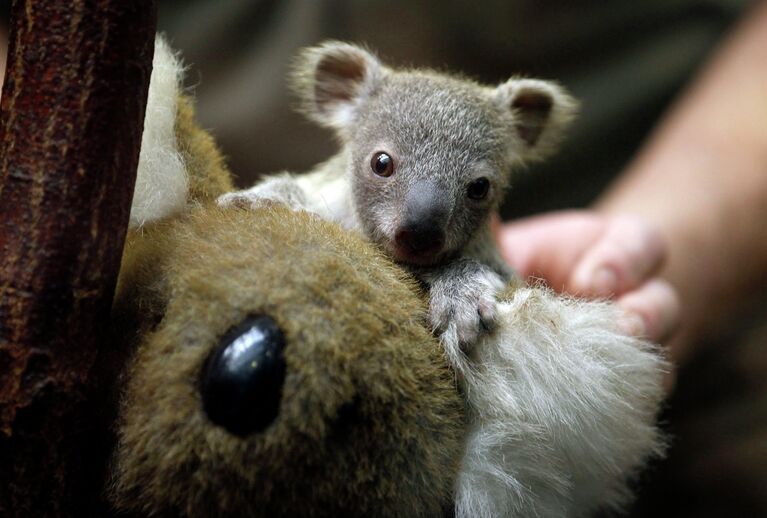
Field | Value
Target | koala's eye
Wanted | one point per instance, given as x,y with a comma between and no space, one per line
382,164
477,189
241,381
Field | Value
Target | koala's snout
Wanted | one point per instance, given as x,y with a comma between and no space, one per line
241,382
421,234
418,241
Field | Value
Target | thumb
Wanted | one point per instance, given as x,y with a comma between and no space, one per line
627,253
548,246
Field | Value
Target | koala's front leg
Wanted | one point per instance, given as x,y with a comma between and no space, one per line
462,299
278,189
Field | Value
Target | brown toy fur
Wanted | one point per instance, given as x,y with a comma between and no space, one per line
370,421
208,176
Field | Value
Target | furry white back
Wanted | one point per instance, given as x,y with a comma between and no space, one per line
563,410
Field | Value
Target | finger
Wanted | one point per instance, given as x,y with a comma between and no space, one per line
622,259
650,312
548,246
495,227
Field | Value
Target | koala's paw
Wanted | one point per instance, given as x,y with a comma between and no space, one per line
243,200
276,191
462,308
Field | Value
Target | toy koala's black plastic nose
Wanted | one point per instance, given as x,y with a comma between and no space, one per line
241,381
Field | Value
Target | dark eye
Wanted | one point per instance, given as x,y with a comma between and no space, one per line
382,164
477,189
241,382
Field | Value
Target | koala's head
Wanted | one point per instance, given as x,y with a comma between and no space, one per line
270,381
429,154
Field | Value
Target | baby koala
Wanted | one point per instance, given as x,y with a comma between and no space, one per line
425,158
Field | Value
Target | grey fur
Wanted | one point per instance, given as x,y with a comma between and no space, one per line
442,132
279,189
462,298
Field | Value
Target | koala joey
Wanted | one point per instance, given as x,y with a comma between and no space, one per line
425,158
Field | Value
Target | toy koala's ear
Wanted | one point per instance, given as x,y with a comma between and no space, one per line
162,185
540,112
334,79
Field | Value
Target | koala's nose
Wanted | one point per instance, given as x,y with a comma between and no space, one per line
422,228
241,382
420,241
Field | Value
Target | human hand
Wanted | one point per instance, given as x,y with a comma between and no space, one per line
587,254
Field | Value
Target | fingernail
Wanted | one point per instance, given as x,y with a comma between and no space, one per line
632,324
604,282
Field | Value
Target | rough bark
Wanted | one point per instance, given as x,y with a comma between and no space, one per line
70,129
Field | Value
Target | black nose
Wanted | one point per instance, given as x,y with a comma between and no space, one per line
425,212
241,382
420,240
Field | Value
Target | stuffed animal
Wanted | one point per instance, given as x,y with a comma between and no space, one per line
283,367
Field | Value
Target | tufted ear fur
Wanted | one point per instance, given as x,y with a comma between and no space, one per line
334,79
162,184
540,112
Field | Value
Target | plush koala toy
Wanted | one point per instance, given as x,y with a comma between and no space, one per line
283,366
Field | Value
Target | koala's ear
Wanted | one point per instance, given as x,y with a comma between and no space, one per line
540,111
334,79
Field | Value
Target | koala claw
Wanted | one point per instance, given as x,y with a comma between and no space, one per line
474,317
468,307
486,312
242,200
281,191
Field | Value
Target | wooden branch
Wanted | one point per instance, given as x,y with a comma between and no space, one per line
71,118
